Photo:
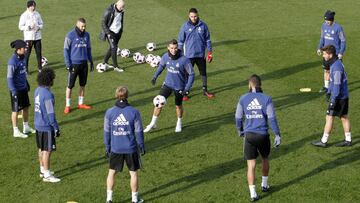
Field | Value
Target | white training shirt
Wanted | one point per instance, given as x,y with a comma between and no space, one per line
116,24
31,24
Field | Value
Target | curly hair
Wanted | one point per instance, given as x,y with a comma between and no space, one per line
46,77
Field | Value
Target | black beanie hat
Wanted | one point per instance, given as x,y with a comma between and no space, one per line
31,3
17,44
329,15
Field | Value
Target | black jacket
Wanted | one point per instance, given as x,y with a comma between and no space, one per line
107,20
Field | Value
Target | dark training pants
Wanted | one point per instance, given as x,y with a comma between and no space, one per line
201,64
37,45
113,42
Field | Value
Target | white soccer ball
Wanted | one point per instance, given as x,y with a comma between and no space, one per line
44,61
125,53
136,56
159,101
149,58
158,58
141,59
151,46
118,52
101,67
155,62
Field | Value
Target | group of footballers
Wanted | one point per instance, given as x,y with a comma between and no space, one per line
123,129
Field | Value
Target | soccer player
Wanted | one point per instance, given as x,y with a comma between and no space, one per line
45,123
338,98
19,87
124,141
77,52
194,39
179,79
112,27
31,24
331,34
257,109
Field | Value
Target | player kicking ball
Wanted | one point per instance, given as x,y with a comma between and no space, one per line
338,98
179,79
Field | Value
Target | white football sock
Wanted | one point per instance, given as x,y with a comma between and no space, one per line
179,121
109,195
47,173
26,124
326,83
325,138
68,101
42,170
134,196
81,100
153,120
16,129
348,136
252,191
264,181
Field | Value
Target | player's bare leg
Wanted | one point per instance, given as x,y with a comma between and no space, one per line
110,180
81,104
265,174
134,186
346,125
251,164
68,100
179,114
156,114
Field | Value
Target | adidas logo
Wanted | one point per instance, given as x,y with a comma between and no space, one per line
121,120
254,104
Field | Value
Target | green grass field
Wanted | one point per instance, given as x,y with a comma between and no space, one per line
204,163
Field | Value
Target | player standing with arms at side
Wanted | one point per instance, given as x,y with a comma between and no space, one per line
45,123
112,27
338,98
124,141
31,24
194,39
179,79
331,34
258,109
19,88
77,53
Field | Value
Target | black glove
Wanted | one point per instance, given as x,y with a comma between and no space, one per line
142,151
107,154
28,86
57,133
331,106
327,97
153,81
91,66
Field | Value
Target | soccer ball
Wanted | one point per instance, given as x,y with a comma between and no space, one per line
149,58
158,58
118,52
125,53
159,101
155,62
136,56
44,61
151,46
101,67
141,59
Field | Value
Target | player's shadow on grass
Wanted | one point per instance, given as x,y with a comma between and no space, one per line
191,130
81,166
9,16
349,157
277,74
215,172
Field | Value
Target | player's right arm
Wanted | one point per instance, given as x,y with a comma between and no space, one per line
105,20
238,119
22,23
270,112
107,131
160,68
322,40
67,51
181,38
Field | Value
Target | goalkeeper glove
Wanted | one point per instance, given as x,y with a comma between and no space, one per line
91,66
57,133
184,92
331,105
